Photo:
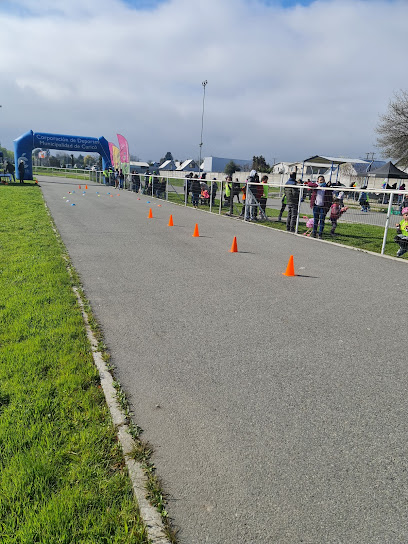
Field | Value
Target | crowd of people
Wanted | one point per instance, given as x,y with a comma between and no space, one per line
10,169
253,195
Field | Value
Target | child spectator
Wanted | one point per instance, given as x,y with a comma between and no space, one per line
363,200
309,225
335,212
402,234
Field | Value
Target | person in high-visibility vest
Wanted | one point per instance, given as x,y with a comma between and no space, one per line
402,233
229,194
106,176
264,198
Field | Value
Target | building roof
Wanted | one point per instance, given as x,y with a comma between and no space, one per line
138,163
187,163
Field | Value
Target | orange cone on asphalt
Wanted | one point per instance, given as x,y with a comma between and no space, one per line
171,222
86,187
234,247
196,233
150,214
290,269
79,187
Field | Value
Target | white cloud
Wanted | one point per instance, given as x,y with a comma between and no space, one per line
285,83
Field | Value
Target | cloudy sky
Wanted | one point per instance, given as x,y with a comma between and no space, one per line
286,79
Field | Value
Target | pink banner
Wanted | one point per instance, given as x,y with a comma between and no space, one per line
111,146
124,149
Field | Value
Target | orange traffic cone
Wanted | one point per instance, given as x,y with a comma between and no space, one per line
79,187
290,269
234,247
196,233
170,222
86,187
150,214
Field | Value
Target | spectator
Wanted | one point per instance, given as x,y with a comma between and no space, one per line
340,196
309,225
156,185
401,196
111,176
402,233
251,208
10,169
236,187
162,188
136,182
105,176
195,191
243,190
187,186
229,194
283,206
21,171
336,210
264,198
145,190
363,200
121,179
320,202
214,189
292,197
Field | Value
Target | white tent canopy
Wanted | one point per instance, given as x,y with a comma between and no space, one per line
320,160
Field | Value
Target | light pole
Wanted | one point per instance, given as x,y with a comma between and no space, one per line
204,83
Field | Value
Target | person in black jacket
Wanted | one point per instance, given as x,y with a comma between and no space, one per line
10,169
195,188
292,198
21,171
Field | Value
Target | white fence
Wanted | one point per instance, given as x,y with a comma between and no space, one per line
383,209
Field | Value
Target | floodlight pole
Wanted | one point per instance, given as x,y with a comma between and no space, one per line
204,83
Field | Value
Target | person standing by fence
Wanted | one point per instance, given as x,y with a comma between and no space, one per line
402,234
195,190
320,203
292,197
251,208
264,198
363,200
21,171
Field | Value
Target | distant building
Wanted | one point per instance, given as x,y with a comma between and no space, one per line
218,164
168,165
282,168
188,166
137,166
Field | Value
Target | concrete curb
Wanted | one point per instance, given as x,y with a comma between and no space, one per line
149,514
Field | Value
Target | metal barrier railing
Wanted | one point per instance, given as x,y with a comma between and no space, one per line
376,208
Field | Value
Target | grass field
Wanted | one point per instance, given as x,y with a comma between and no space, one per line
63,478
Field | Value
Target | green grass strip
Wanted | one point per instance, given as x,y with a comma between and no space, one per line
62,472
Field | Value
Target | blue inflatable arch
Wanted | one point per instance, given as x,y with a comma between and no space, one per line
24,145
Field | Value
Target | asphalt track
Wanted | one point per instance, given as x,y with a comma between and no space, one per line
277,405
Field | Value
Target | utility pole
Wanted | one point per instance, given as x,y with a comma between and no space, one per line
204,83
